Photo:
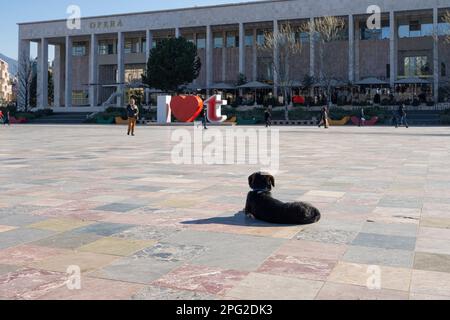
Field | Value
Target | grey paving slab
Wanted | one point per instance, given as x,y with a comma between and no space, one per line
432,262
21,236
335,236
20,220
379,256
385,241
393,229
136,270
68,240
119,207
104,229
222,249
152,293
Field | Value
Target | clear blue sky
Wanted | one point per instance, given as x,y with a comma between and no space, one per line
14,11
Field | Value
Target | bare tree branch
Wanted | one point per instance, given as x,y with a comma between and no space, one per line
283,46
24,79
447,20
325,30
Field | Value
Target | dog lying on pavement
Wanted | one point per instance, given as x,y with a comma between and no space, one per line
260,204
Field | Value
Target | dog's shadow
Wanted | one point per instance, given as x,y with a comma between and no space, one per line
239,219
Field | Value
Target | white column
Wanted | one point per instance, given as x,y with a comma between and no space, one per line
24,60
57,77
312,51
93,71
351,49
120,68
393,48
68,91
224,56
357,39
241,48
195,41
276,60
255,55
177,32
436,63
42,85
209,56
148,48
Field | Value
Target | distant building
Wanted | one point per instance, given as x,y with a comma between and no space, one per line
109,52
6,94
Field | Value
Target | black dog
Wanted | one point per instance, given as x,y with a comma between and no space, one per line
260,204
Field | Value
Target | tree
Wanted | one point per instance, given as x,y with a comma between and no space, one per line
284,46
173,63
242,79
24,82
447,21
324,31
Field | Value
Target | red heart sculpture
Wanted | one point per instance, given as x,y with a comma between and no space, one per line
186,108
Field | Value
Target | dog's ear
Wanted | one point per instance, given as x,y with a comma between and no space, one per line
251,180
272,180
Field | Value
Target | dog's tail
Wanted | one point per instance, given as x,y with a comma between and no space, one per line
311,214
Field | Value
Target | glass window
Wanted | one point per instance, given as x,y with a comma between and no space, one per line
189,37
201,41
132,75
386,32
249,39
416,66
107,47
132,46
80,98
232,40
304,37
261,37
218,40
144,45
427,30
416,29
443,28
79,49
403,31
376,34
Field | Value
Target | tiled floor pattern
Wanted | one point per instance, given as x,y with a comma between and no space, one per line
140,227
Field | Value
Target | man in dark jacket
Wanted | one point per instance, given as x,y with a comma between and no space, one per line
205,118
402,120
133,114
268,118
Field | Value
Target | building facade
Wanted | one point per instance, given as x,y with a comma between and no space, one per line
6,94
105,53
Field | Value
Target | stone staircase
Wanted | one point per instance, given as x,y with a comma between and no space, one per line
62,118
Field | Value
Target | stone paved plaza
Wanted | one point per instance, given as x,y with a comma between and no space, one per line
141,227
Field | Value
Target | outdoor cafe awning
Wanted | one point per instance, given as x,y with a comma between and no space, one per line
222,86
371,82
412,81
332,83
255,85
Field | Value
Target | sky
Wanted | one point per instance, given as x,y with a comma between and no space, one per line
15,11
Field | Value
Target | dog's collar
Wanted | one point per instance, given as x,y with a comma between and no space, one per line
261,190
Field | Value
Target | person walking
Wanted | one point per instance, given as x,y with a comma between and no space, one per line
362,118
402,116
1,115
324,118
205,118
133,114
6,118
268,118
